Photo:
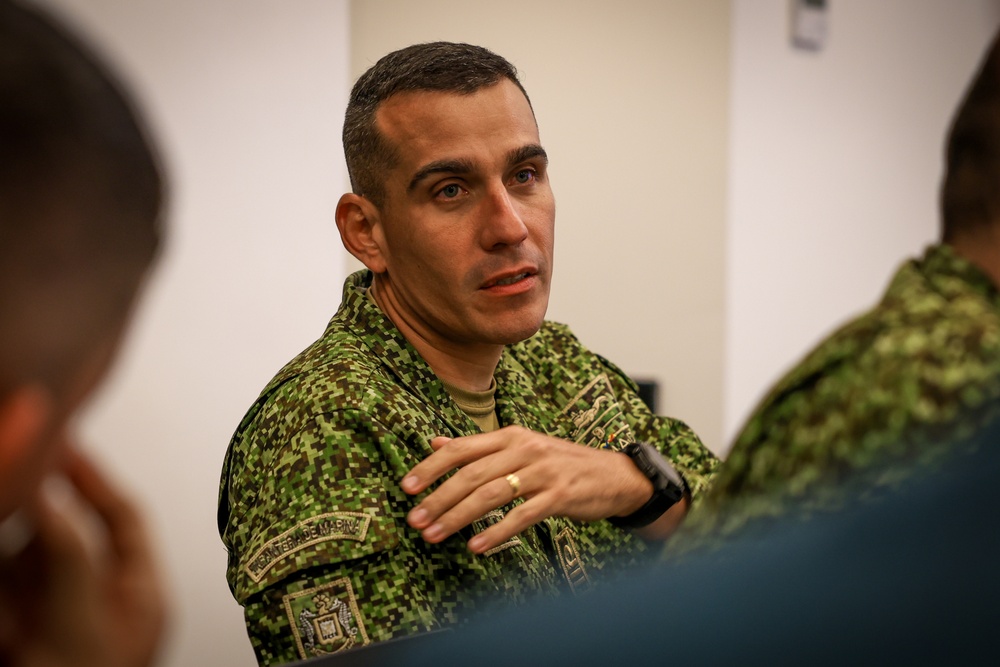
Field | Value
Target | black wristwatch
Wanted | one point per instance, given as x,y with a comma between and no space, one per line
668,486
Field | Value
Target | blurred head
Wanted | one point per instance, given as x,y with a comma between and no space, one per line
970,196
433,67
80,200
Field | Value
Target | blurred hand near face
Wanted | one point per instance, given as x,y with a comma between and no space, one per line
85,591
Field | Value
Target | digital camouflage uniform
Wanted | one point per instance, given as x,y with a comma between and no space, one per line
887,394
312,515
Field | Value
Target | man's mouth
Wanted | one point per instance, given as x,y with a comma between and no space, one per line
517,280
511,280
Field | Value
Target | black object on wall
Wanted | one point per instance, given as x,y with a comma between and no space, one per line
649,392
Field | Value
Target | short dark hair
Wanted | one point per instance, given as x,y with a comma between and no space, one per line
80,199
435,66
970,195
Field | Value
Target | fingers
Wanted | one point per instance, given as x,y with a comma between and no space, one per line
437,524
59,584
518,519
464,497
422,475
136,604
450,454
125,528
555,477
58,545
91,594
488,473
127,535
439,442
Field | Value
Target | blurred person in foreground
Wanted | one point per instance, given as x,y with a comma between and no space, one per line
80,201
909,381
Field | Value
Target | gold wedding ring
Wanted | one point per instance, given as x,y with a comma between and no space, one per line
515,484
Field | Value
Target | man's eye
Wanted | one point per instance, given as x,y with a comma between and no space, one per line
450,191
524,176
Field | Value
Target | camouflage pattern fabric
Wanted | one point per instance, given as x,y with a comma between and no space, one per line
890,393
310,509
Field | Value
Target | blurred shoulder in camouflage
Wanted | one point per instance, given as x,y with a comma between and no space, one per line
441,449
896,389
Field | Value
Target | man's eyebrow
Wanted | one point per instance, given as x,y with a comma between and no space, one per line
525,153
439,167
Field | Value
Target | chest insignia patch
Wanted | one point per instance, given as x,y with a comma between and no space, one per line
322,528
569,559
325,619
596,416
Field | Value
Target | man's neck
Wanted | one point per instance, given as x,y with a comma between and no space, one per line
468,367
982,248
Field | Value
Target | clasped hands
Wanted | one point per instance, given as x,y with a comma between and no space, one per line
555,477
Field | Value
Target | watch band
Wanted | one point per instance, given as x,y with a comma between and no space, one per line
668,486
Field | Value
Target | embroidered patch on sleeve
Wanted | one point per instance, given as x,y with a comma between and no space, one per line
572,564
325,619
322,528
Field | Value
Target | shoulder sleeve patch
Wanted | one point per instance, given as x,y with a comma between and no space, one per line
323,528
349,527
325,619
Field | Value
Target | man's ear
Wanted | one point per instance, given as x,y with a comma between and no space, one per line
360,228
25,413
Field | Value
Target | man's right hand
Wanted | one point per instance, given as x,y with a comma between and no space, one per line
63,602
556,477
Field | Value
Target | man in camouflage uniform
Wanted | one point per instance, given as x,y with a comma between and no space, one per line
441,446
896,389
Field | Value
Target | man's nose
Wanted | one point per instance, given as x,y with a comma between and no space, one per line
503,224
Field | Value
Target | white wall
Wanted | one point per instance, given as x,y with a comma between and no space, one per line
834,164
631,100
247,97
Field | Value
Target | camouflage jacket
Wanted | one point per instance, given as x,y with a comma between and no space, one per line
887,394
310,509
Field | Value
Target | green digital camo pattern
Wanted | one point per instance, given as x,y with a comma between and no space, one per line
915,377
312,515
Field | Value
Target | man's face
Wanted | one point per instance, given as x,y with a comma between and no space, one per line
468,220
